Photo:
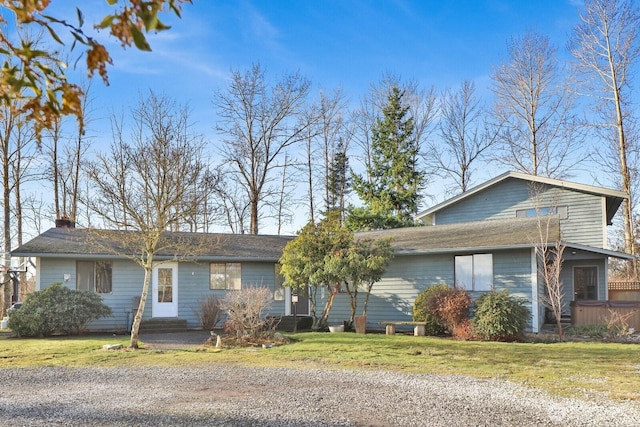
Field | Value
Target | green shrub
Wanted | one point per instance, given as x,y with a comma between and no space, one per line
498,316
421,312
57,309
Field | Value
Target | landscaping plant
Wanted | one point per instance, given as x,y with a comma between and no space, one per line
210,313
499,316
57,309
618,325
451,308
246,311
421,312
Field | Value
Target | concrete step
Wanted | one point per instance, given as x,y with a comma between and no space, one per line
172,324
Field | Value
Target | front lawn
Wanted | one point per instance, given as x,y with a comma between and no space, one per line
580,369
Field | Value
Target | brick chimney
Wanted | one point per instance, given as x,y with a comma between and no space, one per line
65,222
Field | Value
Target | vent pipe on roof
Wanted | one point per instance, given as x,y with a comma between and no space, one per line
65,222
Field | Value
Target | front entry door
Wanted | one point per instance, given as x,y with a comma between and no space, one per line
164,282
585,283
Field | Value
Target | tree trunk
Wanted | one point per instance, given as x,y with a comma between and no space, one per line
253,226
310,171
625,175
366,298
353,302
76,177
6,199
135,327
55,170
324,318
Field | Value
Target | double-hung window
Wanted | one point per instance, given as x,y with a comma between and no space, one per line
94,276
474,272
226,276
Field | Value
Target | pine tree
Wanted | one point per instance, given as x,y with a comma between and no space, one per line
390,190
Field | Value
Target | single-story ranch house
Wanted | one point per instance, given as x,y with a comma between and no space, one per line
484,239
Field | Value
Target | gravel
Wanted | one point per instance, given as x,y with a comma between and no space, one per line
223,395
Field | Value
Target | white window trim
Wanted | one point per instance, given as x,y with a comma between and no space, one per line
472,288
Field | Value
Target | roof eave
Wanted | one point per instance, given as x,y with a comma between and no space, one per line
475,249
601,251
157,257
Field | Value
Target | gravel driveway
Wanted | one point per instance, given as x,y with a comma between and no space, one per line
223,395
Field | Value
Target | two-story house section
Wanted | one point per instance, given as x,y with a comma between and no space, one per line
584,213
485,239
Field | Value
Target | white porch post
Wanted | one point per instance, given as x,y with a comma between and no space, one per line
287,301
535,309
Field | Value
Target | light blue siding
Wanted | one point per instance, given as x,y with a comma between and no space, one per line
53,270
193,287
393,297
127,283
584,224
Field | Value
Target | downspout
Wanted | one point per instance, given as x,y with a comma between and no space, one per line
535,291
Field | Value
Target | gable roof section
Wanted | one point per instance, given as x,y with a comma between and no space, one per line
475,236
81,243
614,198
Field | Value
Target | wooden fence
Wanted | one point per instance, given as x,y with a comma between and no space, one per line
624,291
591,312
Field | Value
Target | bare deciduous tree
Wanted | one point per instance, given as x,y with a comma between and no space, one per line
465,135
149,186
233,202
534,109
259,123
549,247
606,47
18,151
67,152
327,139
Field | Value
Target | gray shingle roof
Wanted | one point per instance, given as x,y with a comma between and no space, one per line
66,242
494,234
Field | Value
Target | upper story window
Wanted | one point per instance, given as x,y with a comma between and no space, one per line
94,276
227,276
474,272
561,211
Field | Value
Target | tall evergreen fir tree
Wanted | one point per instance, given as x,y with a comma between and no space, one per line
390,189
338,181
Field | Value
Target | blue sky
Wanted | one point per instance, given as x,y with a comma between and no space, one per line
349,44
